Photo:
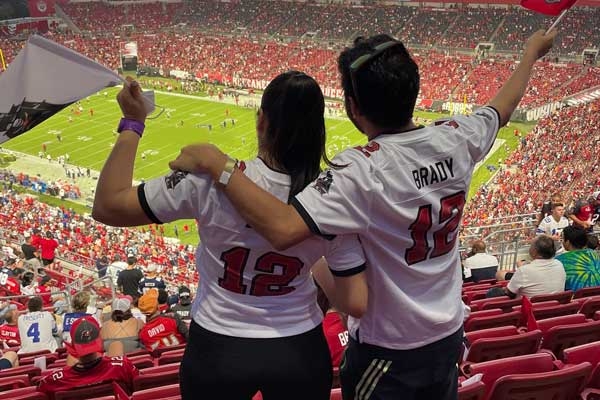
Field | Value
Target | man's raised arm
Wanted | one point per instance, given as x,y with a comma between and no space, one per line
277,221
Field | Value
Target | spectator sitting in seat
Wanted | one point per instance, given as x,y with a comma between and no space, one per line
80,303
9,331
481,264
92,367
582,265
160,330
8,359
184,307
122,326
37,328
543,275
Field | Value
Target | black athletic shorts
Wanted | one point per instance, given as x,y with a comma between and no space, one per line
426,373
232,368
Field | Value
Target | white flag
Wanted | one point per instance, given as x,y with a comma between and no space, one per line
46,77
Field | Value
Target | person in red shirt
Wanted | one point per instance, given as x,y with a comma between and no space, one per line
160,330
48,246
9,331
43,290
92,368
336,334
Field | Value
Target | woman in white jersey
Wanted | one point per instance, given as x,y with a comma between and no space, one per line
256,323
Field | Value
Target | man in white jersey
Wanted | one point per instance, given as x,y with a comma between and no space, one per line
37,328
403,193
553,225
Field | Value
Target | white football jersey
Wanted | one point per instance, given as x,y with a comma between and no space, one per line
36,330
404,194
550,226
246,288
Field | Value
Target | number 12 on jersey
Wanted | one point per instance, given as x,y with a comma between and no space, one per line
451,208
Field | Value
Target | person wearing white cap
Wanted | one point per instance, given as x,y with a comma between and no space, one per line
151,280
122,326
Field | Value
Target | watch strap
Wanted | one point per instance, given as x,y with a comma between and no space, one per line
228,170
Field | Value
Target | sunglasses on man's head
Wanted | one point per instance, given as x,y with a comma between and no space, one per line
365,59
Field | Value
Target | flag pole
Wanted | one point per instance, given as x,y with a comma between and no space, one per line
557,20
2,60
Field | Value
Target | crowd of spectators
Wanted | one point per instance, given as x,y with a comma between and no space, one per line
558,156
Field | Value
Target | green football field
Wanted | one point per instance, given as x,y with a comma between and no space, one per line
88,139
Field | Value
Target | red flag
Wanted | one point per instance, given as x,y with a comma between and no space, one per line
527,310
548,7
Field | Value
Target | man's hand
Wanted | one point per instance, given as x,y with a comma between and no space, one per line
202,157
540,43
131,101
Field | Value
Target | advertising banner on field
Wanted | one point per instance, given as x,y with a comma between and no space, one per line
41,8
44,78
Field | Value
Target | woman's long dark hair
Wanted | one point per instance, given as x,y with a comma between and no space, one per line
120,316
294,106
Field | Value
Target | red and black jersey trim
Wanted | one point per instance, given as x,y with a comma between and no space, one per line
349,272
308,220
144,204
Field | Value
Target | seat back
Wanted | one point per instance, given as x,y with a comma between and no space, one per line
157,393
29,370
174,357
486,349
141,362
545,324
589,352
562,297
562,384
590,306
493,321
26,393
159,351
336,394
160,369
527,364
14,382
474,391
501,331
556,311
148,381
587,292
561,337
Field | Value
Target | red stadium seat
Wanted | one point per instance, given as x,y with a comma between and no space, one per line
528,364
485,313
475,295
590,306
586,352
148,381
14,382
562,297
160,369
33,354
336,394
29,370
561,337
50,359
474,391
170,357
491,333
545,324
555,311
478,286
26,393
493,321
141,362
587,292
142,352
504,303
562,384
158,352
487,349
157,393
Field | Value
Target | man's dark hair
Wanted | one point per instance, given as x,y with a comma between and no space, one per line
592,242
576,236
35,304
294,107
131,260
544,247
387,86
163,296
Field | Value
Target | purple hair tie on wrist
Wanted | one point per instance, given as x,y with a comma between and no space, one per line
128,124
